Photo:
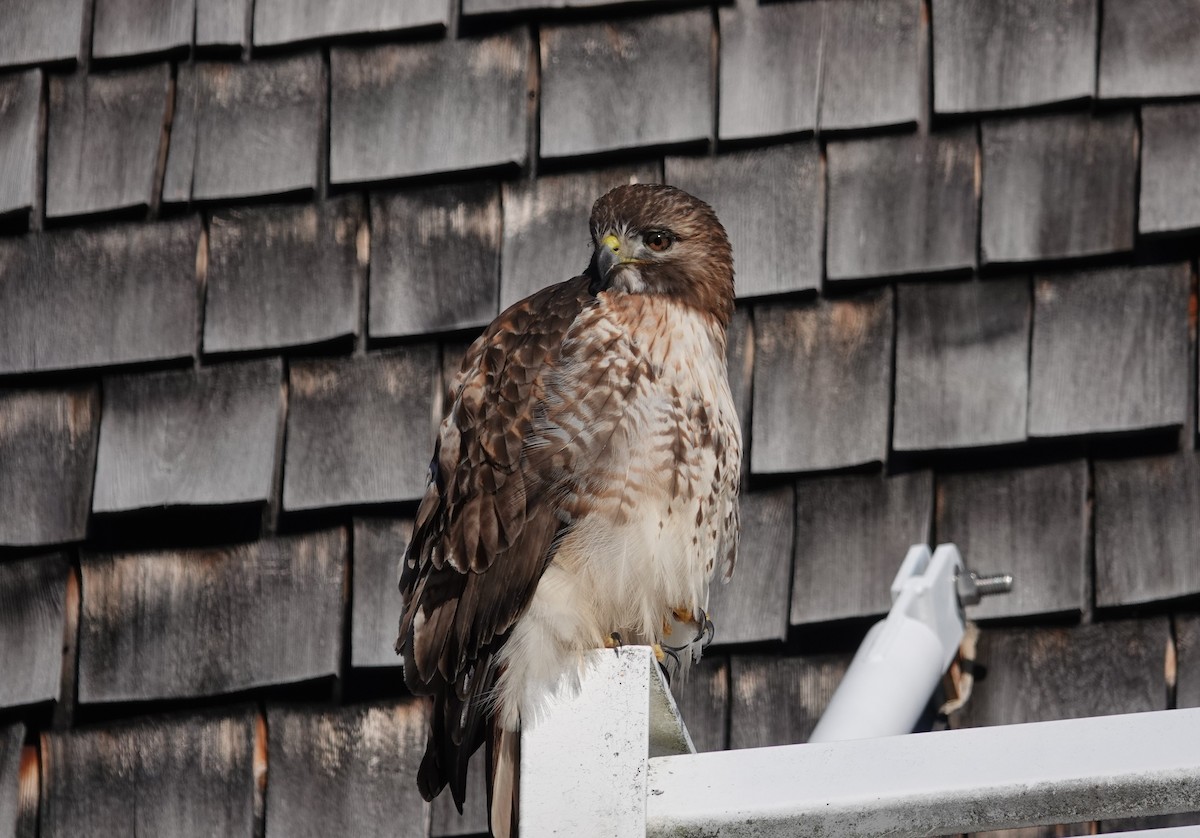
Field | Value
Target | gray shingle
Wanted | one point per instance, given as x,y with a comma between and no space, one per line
546,238
902,205
852,532
435,259
1187,637
190,438
222,23
1136,377
445,819
474,7
49,30
778,701
20,143
287,21
184,623
1030,522
703,702
1041,198
379,545
1170,185
11,737
998,54
771,203
33,595
284,275
1148,48
822,383
388,101
360,430
632,108
47,457
139,303
124,28
962,364
105,130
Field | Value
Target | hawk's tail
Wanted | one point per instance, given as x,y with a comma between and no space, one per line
504,757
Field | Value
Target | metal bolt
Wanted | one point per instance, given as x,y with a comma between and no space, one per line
972,587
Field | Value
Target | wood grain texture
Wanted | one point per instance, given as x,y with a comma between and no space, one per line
778,701
962,364
771,203
1041,198
105,130
753,605
546,237
1148,48
1169,198
435,259
283,276
191,438
347,771
286,21
222,23
870,67
33,593
388,101
822,383
1147,528
122,28
11,737
703,702
245,129
902,205
20,143
1030,522
1042,674
770,69
579,117
175,777
472,7
1187,650
47,457
445,819
379,545
360,430
1133,379
50,30
851,534
184,623
994,55
138,302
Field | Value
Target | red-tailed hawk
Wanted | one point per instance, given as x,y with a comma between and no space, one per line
584,484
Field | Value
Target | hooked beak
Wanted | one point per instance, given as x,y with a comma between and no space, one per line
607,256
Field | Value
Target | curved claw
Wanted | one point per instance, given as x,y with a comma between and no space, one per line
614,642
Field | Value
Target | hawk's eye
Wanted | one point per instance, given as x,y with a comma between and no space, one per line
658,241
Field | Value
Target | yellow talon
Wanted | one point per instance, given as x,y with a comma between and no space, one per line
659,653
666,627
683,615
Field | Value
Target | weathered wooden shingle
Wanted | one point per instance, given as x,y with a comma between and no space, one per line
1030,522
11,737
285,21
753,605
902,205
435,259
388,102
778,701
771,204
1187,649
1135,377
997,54
191,438
822,379
1042,674
1041,196
183,623
183,777
770,69
244,129
105,130
98,296
50,30
1147,528
20,120
703,702
1170,185
47,457
546,237
122,28
347,771
283,276
635,106
445,819
360,430
33,594
1148,48
222,24
851,534
474,7
379,545
962,364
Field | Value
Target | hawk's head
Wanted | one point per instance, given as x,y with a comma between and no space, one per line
655,239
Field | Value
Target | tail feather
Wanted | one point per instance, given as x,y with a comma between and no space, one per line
504,758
